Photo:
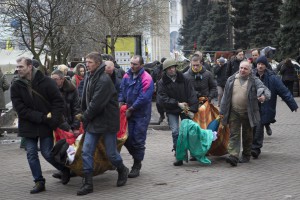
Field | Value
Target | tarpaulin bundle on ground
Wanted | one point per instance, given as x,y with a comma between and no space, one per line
207,112
101,162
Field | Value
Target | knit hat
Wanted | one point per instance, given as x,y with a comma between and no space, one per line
222,60
263,60
169,63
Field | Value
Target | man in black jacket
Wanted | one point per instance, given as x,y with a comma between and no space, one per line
39,105
71,105
100,119
176,94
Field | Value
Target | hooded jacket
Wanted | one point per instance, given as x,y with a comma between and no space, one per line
72,103
32,109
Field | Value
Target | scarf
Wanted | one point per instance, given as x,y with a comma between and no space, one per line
78,79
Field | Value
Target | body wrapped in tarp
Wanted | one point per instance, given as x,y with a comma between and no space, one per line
191,137
101,162
207,112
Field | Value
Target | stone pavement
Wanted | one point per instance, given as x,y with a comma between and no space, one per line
274,176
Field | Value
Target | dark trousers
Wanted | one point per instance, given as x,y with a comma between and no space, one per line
258,138
137,134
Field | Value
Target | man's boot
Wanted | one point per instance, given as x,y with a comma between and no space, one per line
232,160
87,186
269,130
178,163
39,187
65,177
122,175
135,170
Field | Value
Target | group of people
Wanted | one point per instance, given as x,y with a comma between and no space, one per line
93,96
249,101
43,105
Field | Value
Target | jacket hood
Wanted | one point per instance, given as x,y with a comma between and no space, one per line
68,86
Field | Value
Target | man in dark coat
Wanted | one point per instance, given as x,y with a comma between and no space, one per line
176,93
114,75
268,109
220,72
101,118
71,105
201,79
39,106
234,63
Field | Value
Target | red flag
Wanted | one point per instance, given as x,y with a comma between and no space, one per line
195,45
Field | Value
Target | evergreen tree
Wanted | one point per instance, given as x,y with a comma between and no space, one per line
263,23
218,27
202,27
240,21
187,32
289,34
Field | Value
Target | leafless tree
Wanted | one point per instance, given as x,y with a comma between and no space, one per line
124,17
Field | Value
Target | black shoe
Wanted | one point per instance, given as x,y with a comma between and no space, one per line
269,130
87,186
232,160
244,159
161,119
178,163
122,175
255,153
57,175
39,187
135,170
65,177
193,158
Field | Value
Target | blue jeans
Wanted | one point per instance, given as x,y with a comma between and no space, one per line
89,146
173,121
46,145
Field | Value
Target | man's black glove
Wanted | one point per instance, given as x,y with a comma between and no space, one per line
65,126
129,112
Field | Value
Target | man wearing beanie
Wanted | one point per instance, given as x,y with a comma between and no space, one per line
239,108
268,109
220,71
176,93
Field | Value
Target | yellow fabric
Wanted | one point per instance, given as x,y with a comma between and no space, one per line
101,162
207,113
196,71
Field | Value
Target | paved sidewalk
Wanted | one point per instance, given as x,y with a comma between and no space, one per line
274,176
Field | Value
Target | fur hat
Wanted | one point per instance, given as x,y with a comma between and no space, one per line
263,60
